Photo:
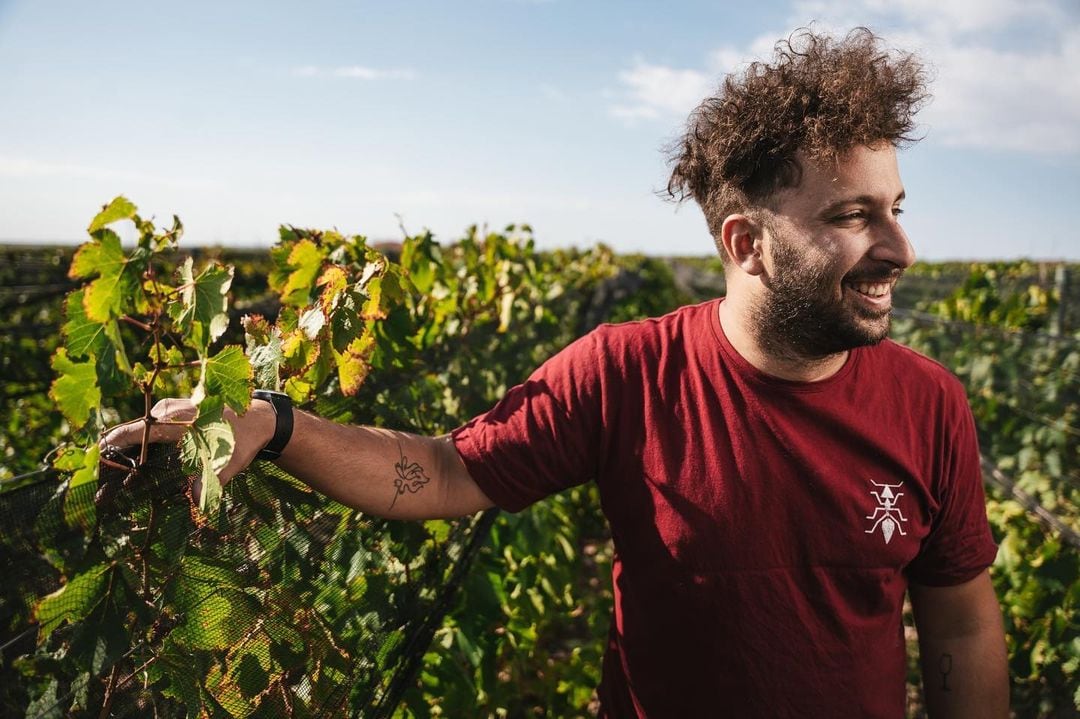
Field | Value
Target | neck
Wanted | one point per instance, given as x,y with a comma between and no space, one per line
776,361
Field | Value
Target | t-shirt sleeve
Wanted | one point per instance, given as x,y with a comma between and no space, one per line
960,545
544,435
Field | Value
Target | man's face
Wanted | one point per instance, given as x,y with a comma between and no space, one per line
833,252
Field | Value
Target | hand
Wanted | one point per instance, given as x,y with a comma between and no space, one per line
172,417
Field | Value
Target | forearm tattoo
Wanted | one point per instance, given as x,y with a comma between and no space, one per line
945,665
410,477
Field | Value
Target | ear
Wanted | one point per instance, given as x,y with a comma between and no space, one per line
741,238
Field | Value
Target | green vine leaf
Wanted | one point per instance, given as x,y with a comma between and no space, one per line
72,602
75,390
206,448
86,337
226,375
204,302
214,620
82,463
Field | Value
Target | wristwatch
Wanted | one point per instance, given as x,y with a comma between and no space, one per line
283,425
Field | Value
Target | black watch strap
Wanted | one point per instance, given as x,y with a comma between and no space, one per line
283,427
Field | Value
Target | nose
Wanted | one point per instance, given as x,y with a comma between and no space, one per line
892,245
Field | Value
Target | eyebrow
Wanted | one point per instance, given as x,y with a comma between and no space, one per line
859,200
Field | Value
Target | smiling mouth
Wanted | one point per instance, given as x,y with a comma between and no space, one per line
872,289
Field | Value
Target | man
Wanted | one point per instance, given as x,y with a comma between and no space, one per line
776,473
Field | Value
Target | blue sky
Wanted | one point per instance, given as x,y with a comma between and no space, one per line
240,116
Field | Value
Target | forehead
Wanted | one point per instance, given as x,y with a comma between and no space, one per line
860,173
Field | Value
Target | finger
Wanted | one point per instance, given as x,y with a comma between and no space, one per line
172,417
122,435
131,434
174,409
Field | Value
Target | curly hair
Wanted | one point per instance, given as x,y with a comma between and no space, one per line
821,96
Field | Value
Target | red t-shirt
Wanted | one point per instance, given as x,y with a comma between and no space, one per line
765,530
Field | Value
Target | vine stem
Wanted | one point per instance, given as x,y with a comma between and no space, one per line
110,687
115,465
150,526
132,321
154,328
182,365
148,420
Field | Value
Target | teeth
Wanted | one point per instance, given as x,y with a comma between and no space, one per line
872,289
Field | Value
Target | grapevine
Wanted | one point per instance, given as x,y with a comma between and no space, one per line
263,596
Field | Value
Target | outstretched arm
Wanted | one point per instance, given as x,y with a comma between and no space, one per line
389,474
962,649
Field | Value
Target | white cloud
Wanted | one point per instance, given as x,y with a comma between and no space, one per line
1005,71
1008,100
653,91
358,72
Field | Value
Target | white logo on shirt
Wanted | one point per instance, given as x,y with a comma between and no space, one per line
887,515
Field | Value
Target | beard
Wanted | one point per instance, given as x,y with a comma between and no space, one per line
803,317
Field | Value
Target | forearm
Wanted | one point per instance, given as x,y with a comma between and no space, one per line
382,472
389,474
965,676
962,652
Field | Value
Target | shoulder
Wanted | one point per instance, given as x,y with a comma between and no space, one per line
917,373
676,327
637,348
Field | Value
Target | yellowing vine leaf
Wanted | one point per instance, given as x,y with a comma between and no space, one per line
119,209
264,352
352,364
118,277
297,351
311,322
305,261
333,281
298,389
374,308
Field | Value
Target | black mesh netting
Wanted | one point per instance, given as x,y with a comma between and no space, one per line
118,599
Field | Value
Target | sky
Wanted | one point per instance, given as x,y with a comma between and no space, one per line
370,117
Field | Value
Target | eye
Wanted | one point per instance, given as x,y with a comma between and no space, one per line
897,211
849,217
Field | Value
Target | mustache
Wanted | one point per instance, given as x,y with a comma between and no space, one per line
884,273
